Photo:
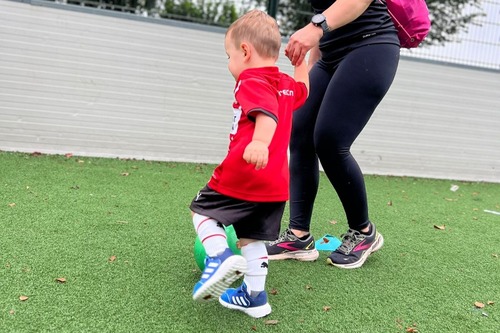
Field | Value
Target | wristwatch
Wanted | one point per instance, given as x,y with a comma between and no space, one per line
319,20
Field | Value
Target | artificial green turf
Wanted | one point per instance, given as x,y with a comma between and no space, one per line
120,233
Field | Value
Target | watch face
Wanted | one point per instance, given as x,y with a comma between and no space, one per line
318,19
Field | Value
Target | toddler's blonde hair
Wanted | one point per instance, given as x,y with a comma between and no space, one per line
259,29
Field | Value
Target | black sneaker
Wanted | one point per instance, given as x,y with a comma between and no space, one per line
355,248
289,246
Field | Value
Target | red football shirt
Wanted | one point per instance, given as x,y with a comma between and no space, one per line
276,94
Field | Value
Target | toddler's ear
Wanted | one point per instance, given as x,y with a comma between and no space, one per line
246,49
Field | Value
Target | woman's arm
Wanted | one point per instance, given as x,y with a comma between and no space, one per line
337,15
343,12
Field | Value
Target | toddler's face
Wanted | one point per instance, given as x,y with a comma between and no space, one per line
236,55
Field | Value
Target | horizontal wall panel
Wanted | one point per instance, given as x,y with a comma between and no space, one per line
96,83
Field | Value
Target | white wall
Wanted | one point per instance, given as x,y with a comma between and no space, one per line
96,83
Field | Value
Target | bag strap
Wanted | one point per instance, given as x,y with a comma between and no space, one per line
399,25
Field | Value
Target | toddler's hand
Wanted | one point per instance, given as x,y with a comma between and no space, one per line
256,153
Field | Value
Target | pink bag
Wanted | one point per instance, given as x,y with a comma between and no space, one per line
411,19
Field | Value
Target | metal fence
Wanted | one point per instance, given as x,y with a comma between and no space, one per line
479,46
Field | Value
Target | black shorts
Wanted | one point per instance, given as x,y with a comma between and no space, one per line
254,220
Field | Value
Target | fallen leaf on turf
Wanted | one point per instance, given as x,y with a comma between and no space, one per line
479,305
23,298
449,199
68,155
440,227
494,255
12,204
271,322
333,222
490,302
326,308
254,328
61,280
308,287
411,330
273,292
80,161
389,203
125,174
112,258
12,312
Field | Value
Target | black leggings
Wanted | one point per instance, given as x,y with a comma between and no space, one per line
342,99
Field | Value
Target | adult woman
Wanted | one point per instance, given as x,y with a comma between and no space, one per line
354,54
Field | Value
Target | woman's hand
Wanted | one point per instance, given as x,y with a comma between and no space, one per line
301,42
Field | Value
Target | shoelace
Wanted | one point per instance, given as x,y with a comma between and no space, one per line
283,237
349,240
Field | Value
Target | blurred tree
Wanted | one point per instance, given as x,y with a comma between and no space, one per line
449,17
213,12
129,6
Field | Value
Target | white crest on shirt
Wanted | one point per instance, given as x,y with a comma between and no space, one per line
236,111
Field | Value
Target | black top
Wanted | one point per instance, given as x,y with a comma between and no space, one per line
374,26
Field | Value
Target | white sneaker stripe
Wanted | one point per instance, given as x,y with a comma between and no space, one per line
240,301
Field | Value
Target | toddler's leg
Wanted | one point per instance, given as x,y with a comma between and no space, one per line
211,233
256,255
222,267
